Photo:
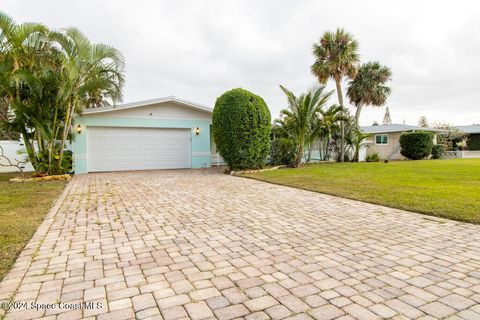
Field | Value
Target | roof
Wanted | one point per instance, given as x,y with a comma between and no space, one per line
144,103
474,128
384,128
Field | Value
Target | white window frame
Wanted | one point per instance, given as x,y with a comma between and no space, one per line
382,134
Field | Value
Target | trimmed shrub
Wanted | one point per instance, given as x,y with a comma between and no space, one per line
374,157
416,145
438,150
282,151
241,129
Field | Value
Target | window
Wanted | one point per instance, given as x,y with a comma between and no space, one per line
381,139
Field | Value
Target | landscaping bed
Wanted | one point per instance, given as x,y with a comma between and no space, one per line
444,188
23,207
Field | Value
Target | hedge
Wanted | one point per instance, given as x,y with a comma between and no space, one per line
241,129
416,145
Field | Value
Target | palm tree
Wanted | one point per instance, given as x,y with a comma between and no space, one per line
48,77
300,119
336,57
19,48
369,88
329,123
92,76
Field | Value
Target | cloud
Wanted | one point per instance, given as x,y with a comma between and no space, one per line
198,49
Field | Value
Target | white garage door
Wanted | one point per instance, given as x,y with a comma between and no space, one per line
117,149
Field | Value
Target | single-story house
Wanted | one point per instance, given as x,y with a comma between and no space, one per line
385,139
165,133
473,134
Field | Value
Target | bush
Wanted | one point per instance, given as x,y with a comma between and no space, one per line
374,157
241,129
438,150
282,151
416,145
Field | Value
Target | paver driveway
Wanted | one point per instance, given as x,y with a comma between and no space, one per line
200,244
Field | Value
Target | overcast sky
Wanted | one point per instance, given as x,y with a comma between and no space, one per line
199,49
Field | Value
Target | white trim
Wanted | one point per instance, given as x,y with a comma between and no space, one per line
148,103
382,134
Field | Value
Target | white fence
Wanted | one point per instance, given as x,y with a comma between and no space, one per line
15,150
11,150
461,154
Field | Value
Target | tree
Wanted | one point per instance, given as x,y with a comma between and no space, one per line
422,122
48,77
330,120
19,48
450,137
336,57
300,120
92,74
369,88
5,116
241,129
387,119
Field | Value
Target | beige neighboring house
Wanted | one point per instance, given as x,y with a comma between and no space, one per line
385,139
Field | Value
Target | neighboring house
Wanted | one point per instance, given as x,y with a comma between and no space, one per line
473,133
165,133
385,139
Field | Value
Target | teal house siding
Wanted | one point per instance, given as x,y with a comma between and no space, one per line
153,115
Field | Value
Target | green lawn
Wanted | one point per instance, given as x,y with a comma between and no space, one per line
444,188
23,207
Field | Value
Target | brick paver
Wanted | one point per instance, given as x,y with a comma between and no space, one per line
200,244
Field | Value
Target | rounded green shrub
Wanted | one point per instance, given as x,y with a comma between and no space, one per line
282,151
416,145
438,150
241,129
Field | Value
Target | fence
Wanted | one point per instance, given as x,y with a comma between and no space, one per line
461,154
15,150
11,150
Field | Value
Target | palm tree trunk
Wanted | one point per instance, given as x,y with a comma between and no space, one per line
30,150
357,114
342,127
66,128
298,158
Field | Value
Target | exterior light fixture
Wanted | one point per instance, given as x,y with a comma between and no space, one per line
197,131
79,129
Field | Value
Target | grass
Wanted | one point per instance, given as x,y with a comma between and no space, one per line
443,188
23,207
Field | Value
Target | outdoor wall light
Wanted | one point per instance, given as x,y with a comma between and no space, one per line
79,129
197,131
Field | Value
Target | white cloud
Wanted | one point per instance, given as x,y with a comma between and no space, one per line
198,49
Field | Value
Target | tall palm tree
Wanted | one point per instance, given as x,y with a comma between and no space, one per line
336,57
300,119
369,88
93,75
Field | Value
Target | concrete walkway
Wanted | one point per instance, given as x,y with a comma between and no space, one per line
203,245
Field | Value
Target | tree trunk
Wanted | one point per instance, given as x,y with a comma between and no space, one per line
342,127
357,114
298,158
68,121
29,149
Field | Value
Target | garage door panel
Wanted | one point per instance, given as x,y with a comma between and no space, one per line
112,149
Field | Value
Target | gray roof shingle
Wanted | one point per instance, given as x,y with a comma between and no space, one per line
474,128
395,127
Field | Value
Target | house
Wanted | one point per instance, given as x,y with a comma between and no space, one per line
473,133
165,133
385,139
